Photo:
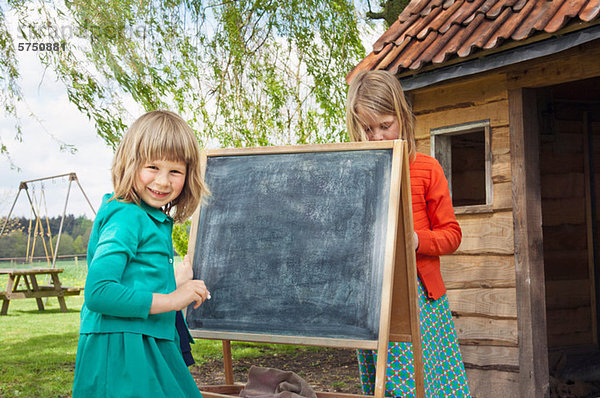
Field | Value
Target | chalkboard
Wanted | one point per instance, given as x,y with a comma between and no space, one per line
292,242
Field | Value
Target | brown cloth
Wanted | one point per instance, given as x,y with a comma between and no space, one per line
275,383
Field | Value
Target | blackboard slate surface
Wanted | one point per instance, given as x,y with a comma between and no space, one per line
294,243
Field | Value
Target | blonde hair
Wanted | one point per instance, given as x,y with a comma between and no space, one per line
379,91
159,135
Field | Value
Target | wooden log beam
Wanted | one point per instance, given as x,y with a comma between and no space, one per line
528,243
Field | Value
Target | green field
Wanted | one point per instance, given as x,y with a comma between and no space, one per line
37,348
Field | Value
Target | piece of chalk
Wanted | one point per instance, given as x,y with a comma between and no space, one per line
208,298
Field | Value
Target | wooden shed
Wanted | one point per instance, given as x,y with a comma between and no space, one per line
506,95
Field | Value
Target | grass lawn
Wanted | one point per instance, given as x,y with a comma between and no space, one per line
37,348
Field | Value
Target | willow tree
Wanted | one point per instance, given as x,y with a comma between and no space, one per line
242,72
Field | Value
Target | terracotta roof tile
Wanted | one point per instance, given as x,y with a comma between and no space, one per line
482,34
487,6
431,6
414,7
436,47
509,26
437,23
454,44
434,31
416,50
462,13
590,11
394,32
465,33
499,7
393,54
422,27
519,5
551,12
568,10
541,13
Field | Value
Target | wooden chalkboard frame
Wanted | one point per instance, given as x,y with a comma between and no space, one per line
399,312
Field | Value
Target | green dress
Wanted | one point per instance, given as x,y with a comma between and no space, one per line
137,366
123,351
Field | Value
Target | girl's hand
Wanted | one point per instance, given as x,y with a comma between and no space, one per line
184,271
191,291
415,240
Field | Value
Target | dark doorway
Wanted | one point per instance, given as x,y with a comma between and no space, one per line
570,193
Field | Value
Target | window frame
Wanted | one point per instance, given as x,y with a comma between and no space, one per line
440,148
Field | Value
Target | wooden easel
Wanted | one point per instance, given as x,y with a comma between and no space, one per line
399,313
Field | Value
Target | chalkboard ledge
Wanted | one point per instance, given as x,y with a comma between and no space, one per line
281,339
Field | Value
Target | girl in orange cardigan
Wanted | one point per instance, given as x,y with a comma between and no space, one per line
377,110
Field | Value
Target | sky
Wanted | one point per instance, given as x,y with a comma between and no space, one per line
39,154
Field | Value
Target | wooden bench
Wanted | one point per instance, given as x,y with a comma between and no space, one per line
32,289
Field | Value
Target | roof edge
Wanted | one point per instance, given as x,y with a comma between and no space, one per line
501,59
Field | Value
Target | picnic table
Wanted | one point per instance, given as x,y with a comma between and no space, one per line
32,289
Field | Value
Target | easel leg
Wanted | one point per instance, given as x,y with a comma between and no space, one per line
419,375
227,362
380,371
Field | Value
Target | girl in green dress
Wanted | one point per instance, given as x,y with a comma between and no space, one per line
128,342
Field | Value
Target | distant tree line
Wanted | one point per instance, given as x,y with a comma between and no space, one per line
18,237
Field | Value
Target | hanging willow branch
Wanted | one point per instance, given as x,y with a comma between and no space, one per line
243,73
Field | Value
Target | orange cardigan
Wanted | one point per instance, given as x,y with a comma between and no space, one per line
434,221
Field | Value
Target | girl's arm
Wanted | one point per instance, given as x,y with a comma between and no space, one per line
445,235
191,291
118,238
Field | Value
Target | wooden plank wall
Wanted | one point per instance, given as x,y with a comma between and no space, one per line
480,276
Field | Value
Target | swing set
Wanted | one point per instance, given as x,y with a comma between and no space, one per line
36,228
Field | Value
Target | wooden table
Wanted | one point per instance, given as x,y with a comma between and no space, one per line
34,290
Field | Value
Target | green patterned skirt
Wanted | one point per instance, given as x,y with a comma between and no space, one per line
443,367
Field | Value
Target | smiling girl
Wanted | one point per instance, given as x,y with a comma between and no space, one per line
128,342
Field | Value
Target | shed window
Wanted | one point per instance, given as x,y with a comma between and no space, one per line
464,153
